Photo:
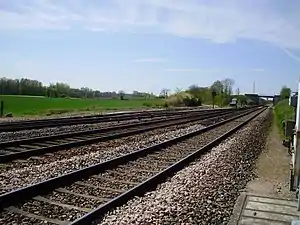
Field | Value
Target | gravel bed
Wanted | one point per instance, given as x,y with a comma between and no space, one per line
58,116
204,192
72,114
120,145
145,165
9,218
128,174
73,200
137,177
136,140
105,183
91,191
95,113
51,211
10,136
17,174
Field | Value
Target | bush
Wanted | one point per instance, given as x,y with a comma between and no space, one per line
64,96
183,99
192,101
58,111
283,111
175,101
147,104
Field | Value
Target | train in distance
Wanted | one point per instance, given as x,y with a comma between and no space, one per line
233,102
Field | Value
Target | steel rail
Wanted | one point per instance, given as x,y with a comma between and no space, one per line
153,181
17,196
115,114
36,124
25,148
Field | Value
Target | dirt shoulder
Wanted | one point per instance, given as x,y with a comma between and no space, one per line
272,168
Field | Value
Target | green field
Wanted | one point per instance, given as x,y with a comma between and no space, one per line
283,111
30,105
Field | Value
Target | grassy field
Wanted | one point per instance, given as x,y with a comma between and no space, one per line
30,105
283,111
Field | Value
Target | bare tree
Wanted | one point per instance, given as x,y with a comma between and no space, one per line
228,84
178,90
165,92
218,87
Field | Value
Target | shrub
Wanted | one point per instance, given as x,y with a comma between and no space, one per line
182,99
192,101
64,96
283,111
147,104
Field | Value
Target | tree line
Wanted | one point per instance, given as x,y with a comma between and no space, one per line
194,95
26,86
223,90
219,93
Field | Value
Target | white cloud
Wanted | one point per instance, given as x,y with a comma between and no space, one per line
290,54
191,70
218,21
150,60
199,70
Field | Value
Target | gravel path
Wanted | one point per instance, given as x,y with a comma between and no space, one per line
272,168
203,193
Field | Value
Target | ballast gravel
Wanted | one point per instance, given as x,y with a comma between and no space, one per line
16,135
12,178
101,190
22,173
203,193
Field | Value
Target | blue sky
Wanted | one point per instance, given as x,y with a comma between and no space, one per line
148,45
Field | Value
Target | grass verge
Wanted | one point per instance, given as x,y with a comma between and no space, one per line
283,111
30,105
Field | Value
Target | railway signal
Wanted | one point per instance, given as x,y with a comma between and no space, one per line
213,94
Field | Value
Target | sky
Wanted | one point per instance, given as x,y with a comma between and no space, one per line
148,45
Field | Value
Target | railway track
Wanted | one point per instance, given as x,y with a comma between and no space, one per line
24,148
82,196
36,124
20,173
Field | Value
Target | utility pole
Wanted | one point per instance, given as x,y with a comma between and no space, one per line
296,151
1,108
253,87
213,94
